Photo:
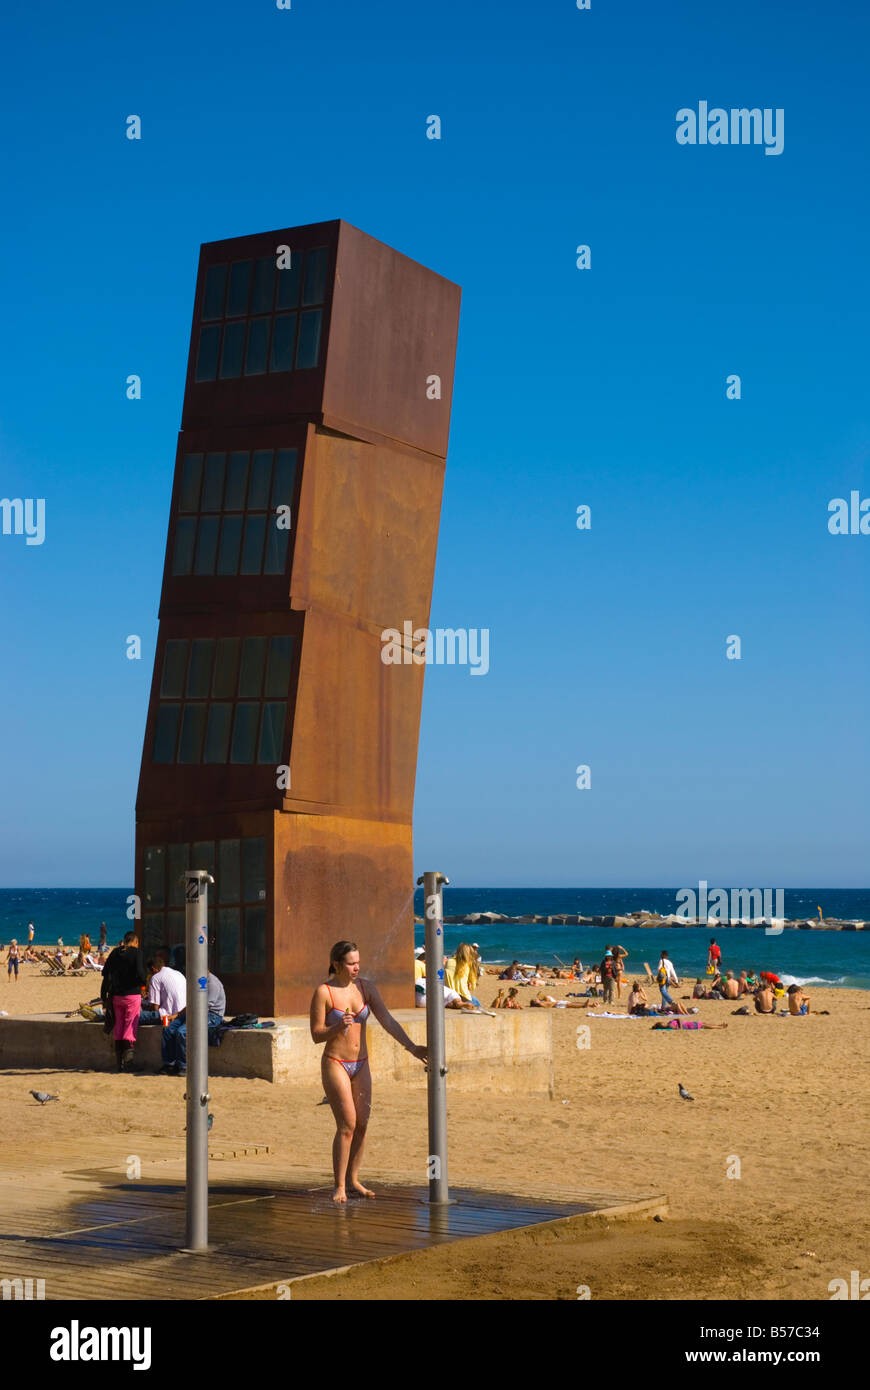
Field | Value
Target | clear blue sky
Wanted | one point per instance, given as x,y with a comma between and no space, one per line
605,387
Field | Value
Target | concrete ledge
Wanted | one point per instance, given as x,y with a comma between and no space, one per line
508,1053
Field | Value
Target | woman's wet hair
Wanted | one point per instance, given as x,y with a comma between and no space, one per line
338,953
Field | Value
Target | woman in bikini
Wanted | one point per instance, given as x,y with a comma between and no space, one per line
339,1010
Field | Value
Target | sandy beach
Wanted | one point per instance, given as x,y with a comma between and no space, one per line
783,1096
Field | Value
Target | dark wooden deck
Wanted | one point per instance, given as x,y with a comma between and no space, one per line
121,1240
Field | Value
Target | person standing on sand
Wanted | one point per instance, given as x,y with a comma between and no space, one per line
714,958
29,933
121,993
608,972
13,959
339,1010
103,936
666,975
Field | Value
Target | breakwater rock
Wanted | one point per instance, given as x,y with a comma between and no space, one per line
648,920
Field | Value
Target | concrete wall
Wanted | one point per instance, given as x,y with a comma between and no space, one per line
509,1054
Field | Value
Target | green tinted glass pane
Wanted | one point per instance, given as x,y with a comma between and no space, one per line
174,667
272,734
231,540
252,554
245,733
192,731
258,347
264,286
191,477
165,731
229,871
225,668
284,482
283,340
240,284
207,353
254,940
177,862
251,674
199,671
217,737
314,290
276,548
185,538
309,339
261,477
213,486
153,932
202,857
237,483
206,544
254,870
234,347
288,282
278,669
215,284
228,935
154,858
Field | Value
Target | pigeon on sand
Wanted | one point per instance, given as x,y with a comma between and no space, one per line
684,1093
43,1097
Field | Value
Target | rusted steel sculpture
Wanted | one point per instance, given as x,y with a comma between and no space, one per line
280,751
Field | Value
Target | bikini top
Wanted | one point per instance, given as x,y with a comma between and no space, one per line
339,1013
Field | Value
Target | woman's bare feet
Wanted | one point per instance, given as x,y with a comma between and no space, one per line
363,1191
339,1195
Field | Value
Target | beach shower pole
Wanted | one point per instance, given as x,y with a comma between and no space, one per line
433,917
196,883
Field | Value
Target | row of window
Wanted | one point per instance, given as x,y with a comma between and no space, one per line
260,287
223,700
233,484
251,347
237,482
237,906
235,545
245,732
238,867
222,668
238,933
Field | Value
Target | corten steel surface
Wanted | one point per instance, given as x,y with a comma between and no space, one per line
371,450
123,1241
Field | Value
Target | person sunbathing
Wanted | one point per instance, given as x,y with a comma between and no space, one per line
498,1001
511,1002
730,986
687,1023
546,1001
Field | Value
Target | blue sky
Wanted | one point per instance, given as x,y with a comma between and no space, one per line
604,387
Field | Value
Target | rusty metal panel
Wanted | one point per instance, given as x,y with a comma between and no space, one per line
336,879
394,325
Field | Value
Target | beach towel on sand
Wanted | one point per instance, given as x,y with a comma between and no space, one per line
607,1015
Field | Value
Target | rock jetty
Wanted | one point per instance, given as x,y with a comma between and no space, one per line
645,919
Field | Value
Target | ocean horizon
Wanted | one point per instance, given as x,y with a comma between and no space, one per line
828,958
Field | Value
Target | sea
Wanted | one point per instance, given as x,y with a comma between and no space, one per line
834,958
